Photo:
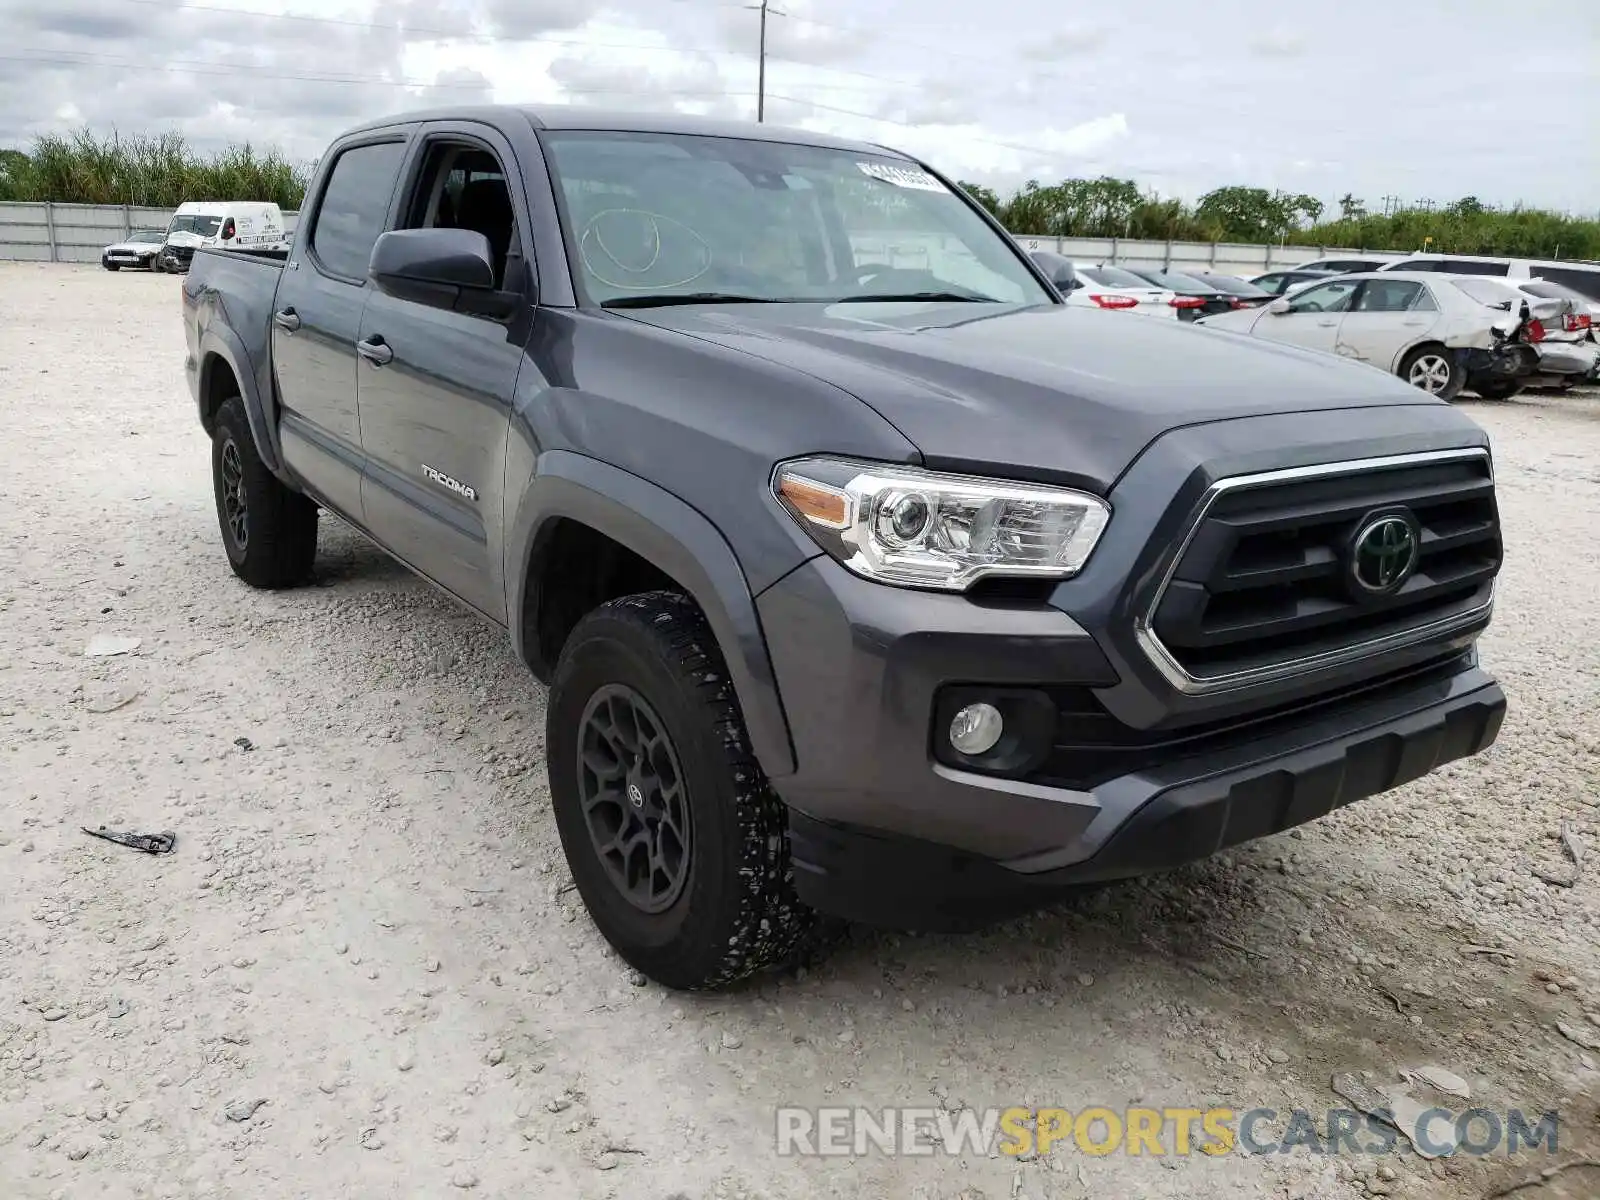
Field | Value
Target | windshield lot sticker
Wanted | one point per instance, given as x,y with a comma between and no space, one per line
906,177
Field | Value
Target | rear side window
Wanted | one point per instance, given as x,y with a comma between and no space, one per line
355,206
1476,268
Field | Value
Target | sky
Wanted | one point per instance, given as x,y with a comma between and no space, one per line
1416,99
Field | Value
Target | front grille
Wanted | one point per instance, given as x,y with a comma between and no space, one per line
1265,580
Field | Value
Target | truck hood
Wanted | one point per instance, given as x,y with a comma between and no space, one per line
1052,393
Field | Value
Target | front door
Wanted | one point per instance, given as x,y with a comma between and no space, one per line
1313,317
436,386
316,322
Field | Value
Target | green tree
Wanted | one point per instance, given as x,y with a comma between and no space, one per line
987,197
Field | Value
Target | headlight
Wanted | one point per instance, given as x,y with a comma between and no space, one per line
918,528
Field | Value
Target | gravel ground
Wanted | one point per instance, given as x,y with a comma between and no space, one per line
363,972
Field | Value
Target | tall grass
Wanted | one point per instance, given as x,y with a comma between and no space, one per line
161,172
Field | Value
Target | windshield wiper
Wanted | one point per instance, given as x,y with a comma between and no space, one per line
895,297
665,298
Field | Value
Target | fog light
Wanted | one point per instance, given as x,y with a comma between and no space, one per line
976,729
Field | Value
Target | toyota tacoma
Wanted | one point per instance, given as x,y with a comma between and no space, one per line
870,581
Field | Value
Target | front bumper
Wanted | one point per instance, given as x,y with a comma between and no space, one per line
1154,820
1135,773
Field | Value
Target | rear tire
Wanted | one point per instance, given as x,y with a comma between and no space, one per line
1435,370
676,841
1498,389
268,530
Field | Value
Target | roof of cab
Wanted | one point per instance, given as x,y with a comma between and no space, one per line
582,117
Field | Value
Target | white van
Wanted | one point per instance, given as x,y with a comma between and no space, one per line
1580,277
227,225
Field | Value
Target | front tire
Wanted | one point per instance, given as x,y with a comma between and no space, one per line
111,266
268,530
1435,370
676,841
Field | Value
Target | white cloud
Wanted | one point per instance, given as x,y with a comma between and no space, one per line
1172,94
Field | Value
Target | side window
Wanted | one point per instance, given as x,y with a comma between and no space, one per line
1419,264
1388,296
1424,301
354,207
1325,297
1271,283
1480,268
463,186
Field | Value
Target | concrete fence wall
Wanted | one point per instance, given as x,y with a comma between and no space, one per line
1226,258
77,232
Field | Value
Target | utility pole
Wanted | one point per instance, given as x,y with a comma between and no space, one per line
761,60
761,69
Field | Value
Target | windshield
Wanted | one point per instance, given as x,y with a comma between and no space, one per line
1178,282
657,217
147,235
1490,292
1227,283
1114,277
194,223
1555,291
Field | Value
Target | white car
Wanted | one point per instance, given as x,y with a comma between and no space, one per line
1581,277
226,225
1084,285
1428,329
1548,289
139,249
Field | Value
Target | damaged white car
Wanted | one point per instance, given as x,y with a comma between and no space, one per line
1428,329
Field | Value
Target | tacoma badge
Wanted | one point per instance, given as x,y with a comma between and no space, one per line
443,480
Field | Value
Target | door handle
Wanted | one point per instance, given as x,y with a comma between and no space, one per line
286,319
1327,324
374,350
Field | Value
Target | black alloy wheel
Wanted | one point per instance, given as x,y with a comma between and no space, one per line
635,801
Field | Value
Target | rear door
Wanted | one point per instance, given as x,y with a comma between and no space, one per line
1388,317
436,386
1313,317
316,320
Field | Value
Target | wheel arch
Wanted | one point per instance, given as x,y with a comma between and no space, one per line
572,490
225,370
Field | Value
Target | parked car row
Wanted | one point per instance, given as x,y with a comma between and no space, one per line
1443,323
1441,333
1174,294
226,225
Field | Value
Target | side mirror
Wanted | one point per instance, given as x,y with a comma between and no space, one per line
1278,307
444,268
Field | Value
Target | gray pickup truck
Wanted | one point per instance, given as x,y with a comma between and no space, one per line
870,581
